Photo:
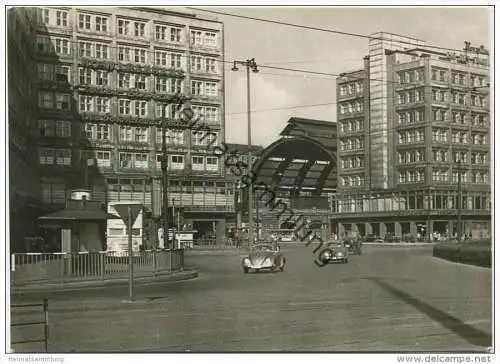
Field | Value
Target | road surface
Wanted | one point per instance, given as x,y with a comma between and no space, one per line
388,299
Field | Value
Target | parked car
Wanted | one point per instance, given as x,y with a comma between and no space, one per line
334,251
264,257
370,238
391,237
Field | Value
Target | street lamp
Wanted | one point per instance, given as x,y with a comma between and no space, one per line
250,64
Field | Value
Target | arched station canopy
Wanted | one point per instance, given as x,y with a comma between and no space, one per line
297,163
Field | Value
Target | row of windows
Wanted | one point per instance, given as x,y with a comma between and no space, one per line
458,78
411,136
350,107
353,181
409,97
100,104
352,163
459,117
459,98
443,175
410,76
351,88
126,27
62,157
351,144
411,116
412,176
141,134
411,156
130,81
140,55
351,125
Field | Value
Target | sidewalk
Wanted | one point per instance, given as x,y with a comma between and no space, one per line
79,283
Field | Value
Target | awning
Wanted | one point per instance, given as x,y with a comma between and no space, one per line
79,215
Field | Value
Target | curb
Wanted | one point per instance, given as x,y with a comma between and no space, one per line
90,284
402,245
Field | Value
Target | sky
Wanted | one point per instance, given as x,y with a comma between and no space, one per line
283,46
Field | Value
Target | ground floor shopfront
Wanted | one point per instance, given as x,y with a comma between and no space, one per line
418,225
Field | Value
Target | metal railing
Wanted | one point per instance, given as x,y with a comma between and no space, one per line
44,322
60,267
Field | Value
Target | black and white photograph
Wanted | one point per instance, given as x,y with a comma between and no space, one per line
247,178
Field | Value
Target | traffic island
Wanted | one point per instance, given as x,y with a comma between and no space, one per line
474,252
81,284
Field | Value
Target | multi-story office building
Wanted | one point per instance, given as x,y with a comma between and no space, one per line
413,127
104,79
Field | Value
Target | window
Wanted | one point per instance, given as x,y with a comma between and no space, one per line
175,60
102,78
44,71
139,55
141,134
124,107
62,18
161,58
160,32
196,87
62,101
176,85
43,44
101,51
86,103
210,65
84,21
85,49
62,46
175,35
196,37
124,54
49,156
212,164
102,104
123,80
140,82
140,108
103,159
97,131
126,133
198,163
123,27
61,73
141,160
210,39
161,84
196,63
211,114
211,89
46,100
57,128
53,192
85,76
139,29
198,138
101,24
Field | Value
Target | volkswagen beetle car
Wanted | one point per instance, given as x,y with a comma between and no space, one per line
334,251
264,257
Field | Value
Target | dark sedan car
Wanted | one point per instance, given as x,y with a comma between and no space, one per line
334,251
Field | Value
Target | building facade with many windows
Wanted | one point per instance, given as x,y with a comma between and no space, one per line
424,131
104,79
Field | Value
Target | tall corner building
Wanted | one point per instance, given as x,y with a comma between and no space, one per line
414,141
88,88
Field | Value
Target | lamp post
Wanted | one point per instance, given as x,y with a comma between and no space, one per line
250,64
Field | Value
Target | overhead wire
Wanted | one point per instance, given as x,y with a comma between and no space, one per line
307,27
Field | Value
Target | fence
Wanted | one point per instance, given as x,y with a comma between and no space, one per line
60,267
37,322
